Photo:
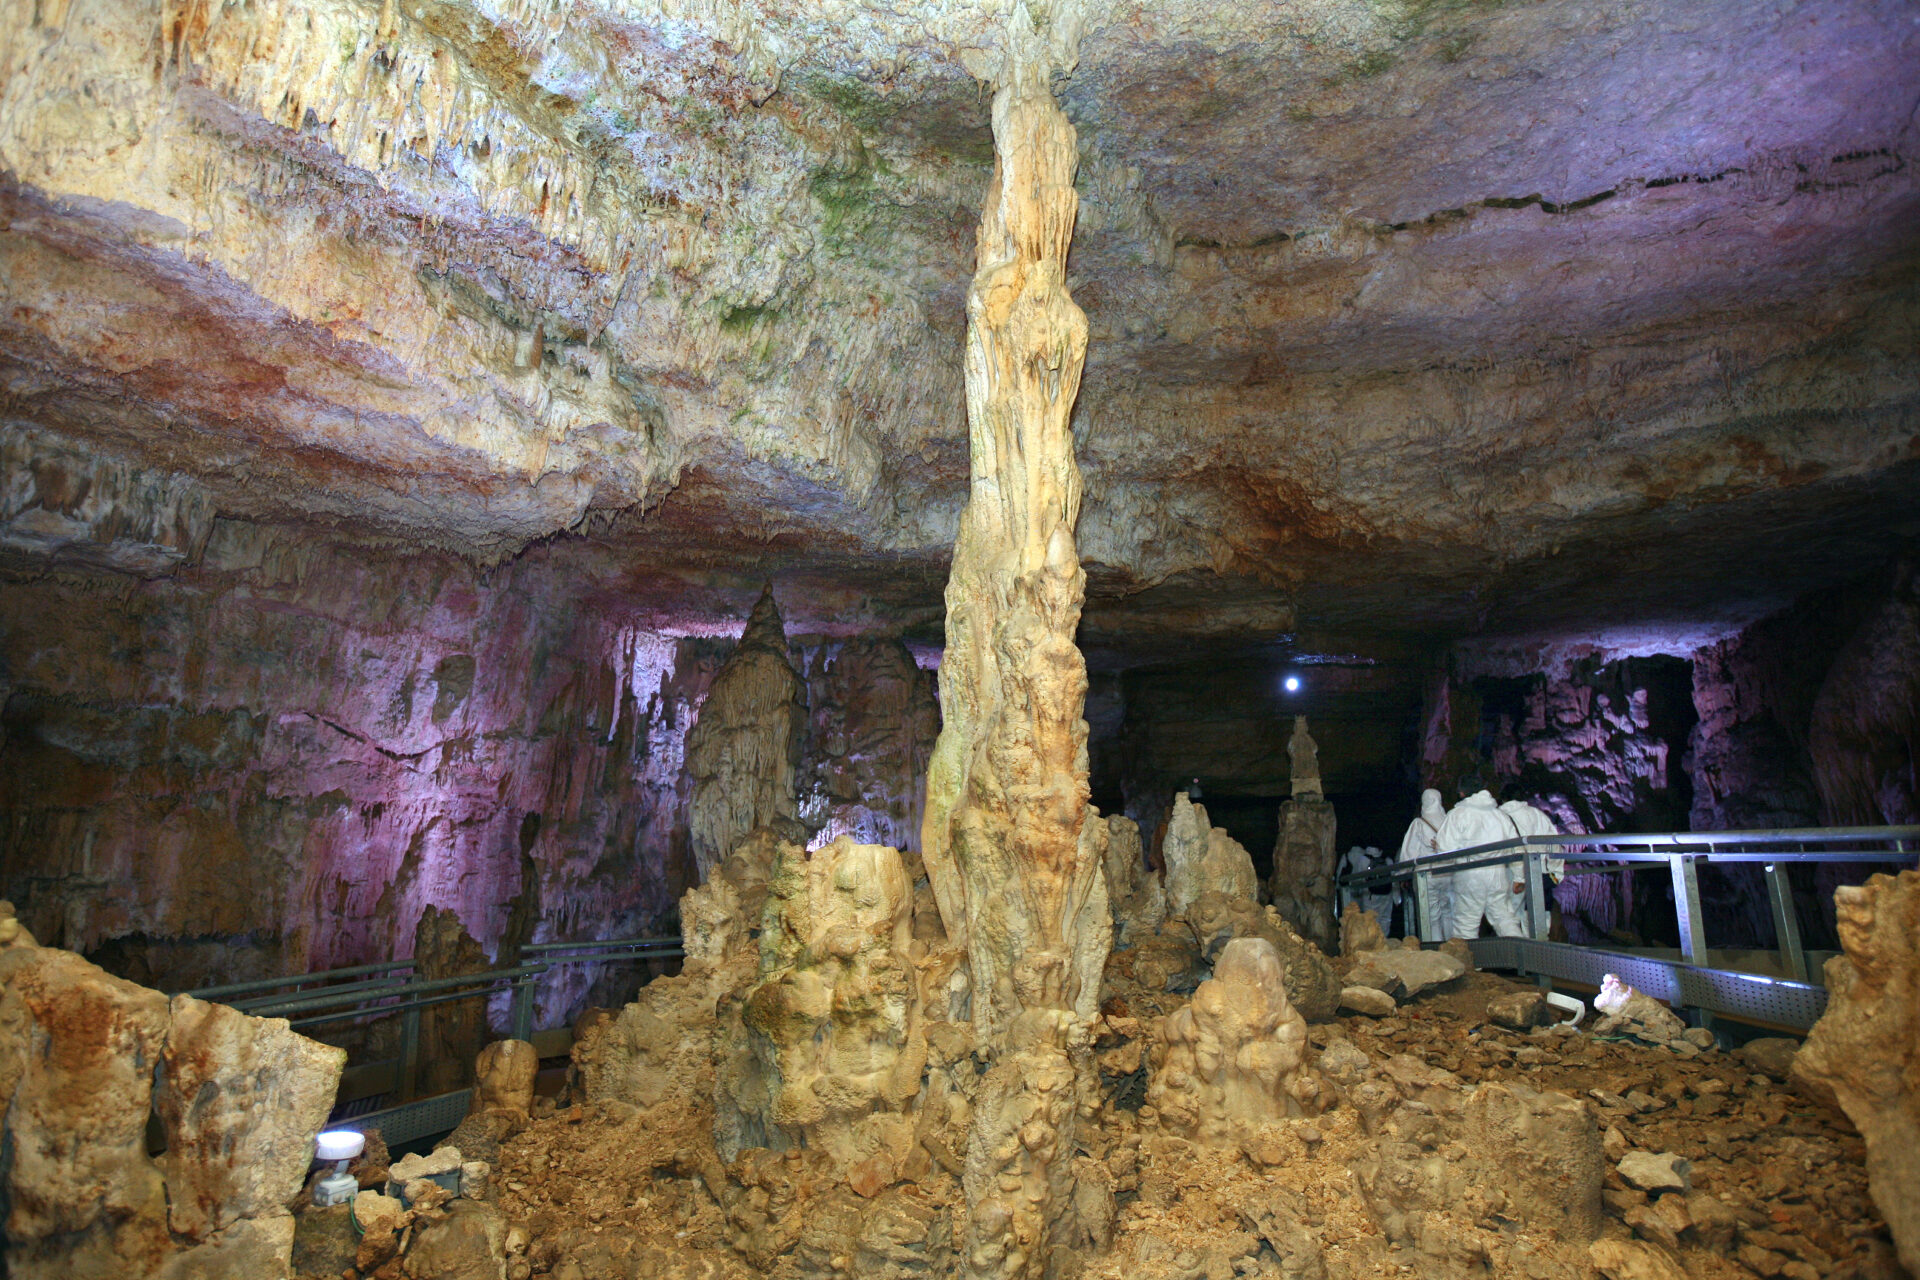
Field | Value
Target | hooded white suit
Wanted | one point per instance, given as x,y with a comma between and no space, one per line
1529,821
1419,842
1483,891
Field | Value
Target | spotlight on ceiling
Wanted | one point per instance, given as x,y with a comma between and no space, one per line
1292,684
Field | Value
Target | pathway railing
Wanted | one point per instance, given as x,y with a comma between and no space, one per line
372,992
1683,853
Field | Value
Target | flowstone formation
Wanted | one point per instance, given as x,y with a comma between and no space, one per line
1235,1059
1011,846
744,750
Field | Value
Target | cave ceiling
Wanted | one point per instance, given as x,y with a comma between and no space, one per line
1433,317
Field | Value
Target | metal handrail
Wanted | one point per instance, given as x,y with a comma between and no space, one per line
1682,851
269,984
404,993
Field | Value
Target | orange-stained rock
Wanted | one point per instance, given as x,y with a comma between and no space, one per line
1237,1056
1865,1049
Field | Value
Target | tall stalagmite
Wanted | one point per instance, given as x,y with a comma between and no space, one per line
744,750
1014,861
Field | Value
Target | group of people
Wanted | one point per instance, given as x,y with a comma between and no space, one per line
1462,899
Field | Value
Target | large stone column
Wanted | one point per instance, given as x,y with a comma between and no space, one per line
1013,858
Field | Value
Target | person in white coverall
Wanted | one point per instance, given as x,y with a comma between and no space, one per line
1419,842
1529,821
1490,892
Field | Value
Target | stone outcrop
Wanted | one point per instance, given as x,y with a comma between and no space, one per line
872,718
1203,859
1135,891
1014,850
1865,1050
743,754
453,1032
829,1046
1236,1057
239,1100
1216,919
1302,888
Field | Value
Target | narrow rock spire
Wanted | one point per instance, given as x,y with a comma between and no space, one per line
1013,858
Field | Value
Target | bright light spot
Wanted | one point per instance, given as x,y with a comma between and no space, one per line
1293,684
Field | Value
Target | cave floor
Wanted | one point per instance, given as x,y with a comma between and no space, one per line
609,1192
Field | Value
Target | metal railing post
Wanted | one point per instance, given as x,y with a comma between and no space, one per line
1786,924
1423,903
523,1009
409,1051
1686,904
1539,922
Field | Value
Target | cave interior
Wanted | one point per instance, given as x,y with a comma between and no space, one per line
437,441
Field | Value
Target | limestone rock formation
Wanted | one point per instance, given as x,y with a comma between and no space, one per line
1203,859
239,1100
1303,756
1302,887
833,1043
503,1077
1014,853
453,1032
719,916
1236,1057
1360,931
1866,1047
1135,891
744,751
1216,919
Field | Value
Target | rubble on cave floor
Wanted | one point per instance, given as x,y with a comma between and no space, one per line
1394,1179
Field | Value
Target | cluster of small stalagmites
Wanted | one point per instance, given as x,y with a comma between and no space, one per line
1461,1134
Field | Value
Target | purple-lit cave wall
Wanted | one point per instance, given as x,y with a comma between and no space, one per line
278,759
872,719
1808,717
1599,747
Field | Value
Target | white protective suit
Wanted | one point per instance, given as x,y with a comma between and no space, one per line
1529,821
1379,899
1483,891
1419,842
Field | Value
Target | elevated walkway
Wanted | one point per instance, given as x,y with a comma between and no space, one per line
378,1094
1779,990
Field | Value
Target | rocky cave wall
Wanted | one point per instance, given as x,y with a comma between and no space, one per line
276,752
1807,717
